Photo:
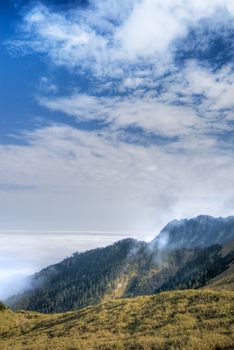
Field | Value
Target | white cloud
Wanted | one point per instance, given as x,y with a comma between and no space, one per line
94,173
77,174
195,102
131,42
217,87
46,85
207,92
92,181
110,34
145,112
65,40
143,34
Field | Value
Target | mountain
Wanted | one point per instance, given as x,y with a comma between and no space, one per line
191,319
173,260
202,231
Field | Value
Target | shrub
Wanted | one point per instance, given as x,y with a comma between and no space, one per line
2,306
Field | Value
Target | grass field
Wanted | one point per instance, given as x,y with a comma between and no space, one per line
192,319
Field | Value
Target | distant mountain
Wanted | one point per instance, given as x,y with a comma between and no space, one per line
201,231
186,254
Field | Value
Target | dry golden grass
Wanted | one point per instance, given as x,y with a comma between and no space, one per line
192,319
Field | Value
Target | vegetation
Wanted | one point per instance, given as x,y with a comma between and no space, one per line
126,269
224,280
82,280
2,306
192,319
205,264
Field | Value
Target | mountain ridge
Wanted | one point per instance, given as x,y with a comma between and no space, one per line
198,227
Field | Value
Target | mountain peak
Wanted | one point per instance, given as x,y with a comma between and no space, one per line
202,231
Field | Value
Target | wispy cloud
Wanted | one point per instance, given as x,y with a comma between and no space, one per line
145,112
194,103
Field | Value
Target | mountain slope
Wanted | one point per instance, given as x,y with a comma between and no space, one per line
81,280
182,269
224,280
200,319
130,268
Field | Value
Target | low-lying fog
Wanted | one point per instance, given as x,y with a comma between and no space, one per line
22,254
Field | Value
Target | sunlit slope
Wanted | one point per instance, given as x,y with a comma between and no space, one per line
192,319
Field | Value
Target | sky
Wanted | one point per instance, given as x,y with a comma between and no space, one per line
116,116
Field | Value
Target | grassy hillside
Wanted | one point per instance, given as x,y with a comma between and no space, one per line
192,319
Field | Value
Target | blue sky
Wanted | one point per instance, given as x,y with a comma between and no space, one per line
115,116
